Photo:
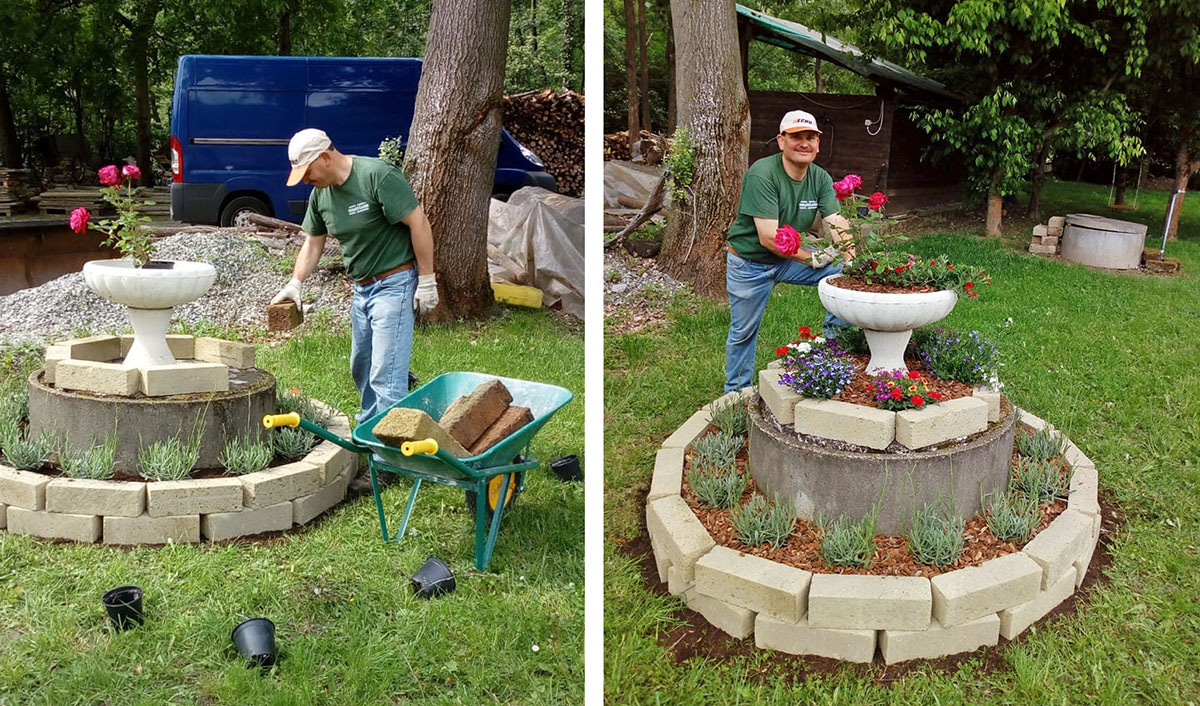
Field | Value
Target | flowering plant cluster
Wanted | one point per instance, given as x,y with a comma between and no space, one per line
125,232
897,390
967,358
815,367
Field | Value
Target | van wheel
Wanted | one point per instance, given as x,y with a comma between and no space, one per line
235,212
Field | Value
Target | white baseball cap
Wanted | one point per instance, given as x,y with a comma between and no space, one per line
305,147
798,121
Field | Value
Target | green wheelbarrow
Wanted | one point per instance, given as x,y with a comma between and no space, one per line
496,473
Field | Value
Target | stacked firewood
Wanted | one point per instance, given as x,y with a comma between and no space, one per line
550,124
616,146
1046,238
13,191
63,200
652,150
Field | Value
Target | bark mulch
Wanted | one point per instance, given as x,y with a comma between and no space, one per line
859,284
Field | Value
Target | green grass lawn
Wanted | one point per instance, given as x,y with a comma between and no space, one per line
1109,358
1062,197
349,628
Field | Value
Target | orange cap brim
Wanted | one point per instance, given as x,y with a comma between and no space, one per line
297,174
803,129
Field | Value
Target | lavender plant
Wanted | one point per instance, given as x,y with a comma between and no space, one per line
1013,517
762,521
1039,480
731,417
717,488
968,358
1041,445
716,451
934,539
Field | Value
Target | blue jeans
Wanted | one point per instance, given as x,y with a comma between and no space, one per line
381,340
749,285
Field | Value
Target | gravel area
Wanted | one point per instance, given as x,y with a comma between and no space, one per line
247,278
636,292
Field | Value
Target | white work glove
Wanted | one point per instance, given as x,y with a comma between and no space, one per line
822,258
426,298
291,290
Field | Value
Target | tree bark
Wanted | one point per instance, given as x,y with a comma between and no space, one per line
285,30
139,43
714,108
9,144
995,204
452,145
671,109
631,74
1039,181
818,79
644,91
1184,168
1120,184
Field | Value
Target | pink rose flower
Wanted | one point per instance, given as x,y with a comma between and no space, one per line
854,180
109,175
79,219
131,172
787,240
842,189
876,201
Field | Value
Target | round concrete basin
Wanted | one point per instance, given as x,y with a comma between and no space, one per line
1103,242
84,419
819,479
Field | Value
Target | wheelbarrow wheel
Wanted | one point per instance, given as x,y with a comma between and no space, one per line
493,496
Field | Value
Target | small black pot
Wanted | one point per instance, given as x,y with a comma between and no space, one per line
567,468
159,265
433,579
255,641
124,606
412,380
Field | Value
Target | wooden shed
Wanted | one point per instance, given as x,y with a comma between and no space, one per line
872,136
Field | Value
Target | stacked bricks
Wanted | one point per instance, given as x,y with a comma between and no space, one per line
850,617
93,364
469,426
1046,238
117,512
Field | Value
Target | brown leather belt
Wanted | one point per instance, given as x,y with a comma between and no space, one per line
386,273
731,250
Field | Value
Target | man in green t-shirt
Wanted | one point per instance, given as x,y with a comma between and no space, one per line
369,207
782,189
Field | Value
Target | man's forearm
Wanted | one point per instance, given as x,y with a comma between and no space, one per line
422,240
309,256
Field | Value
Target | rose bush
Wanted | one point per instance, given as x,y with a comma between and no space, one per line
125,232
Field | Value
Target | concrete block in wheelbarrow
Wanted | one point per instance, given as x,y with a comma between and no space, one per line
402,424
513,419
468,417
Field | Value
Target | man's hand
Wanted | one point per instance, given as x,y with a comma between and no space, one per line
821,258
426,298
291,290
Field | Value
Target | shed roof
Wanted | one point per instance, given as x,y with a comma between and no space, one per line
798,38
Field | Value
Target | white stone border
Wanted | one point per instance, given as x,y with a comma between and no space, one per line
846,616
127,512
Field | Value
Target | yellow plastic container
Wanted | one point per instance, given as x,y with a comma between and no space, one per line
517,295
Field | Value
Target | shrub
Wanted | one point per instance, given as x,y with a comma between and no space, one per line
716,488
847,542
1041,445
168,459
292,443
934,539
716,451
25,453
243,454
1013,517
761,521
969,359
731,417
1038,480
95,463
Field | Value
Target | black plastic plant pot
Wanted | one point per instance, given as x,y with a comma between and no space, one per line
124,606
567,468
433,579
255,641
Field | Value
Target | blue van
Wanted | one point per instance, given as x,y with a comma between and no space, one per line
232,116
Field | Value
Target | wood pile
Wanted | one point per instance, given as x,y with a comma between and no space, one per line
550,124
14,191
616,146
59,201
653,149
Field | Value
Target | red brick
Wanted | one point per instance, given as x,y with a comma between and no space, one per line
403,424
284,316
468,417
513,419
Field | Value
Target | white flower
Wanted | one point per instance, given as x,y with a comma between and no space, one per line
536,648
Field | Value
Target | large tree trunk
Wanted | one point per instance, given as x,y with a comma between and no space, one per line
9,145
714,109
670,72
285,31
631,73
644,64
818,79
995,204
139,42
452,145
1120,184
1184,168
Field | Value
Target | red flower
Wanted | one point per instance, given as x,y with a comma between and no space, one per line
109,176
949,267
935,395
876,201
902,268
896,393
969,286
79,219
781,350
932,263
914,375
130,171
787,240
853,180
842,189
917,400
805,332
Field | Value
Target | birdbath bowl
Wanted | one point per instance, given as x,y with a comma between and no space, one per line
887,319
149,294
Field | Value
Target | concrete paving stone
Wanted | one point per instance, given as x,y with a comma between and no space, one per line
1032,422
3,516
230,353
403,424
218,526
1075,457
101,378
1014,621
678,533
54,354
1050,240
935,423
183,347
184,377
1058,222
662,562
54,525
96,348
23,489
274,485
330,459
1096,527
781,400
152,530
993,402
668,474
188,497
939,641
842,421
775,364
752,582
853,602
1039,231
676,586
308,507
733,620
1043,249
799,638
1057,547
966,594
1084,561
1084,491
689,431
82,496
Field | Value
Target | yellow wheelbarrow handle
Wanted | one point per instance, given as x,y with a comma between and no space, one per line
291,419
424,446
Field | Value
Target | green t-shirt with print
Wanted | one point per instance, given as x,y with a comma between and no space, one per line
364,214
768,192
